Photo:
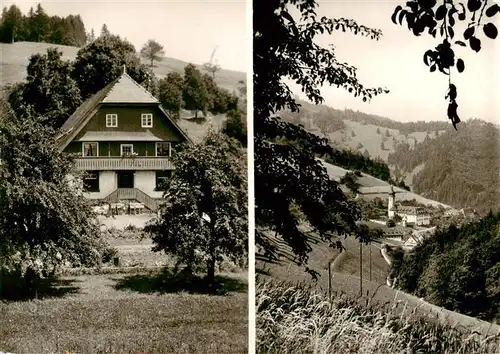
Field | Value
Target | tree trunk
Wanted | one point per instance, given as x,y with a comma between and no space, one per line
211,271
29,278
360,269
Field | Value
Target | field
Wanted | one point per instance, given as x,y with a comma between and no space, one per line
15,59
141,310
345,280
373,187
301,319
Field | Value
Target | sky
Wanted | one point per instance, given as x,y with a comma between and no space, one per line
188,30
396,62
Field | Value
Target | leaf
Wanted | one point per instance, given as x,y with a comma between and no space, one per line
286,15
473,5
433,68
451,21
401,16
451,32
492,10
460,43
440,12
475,44
396,10
469,32
490,30
426,56
460,65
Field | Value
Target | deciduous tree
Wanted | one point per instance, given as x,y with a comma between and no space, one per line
195,93
44,221
212,68
49,89
286,168
102,61
12,24
205,214
152,51
170,93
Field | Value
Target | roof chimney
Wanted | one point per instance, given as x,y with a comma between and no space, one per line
124,69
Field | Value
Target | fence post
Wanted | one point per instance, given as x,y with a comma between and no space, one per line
361,268
330,281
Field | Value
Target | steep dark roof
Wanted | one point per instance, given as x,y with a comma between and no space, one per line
81,115
127,90
122,87
86,107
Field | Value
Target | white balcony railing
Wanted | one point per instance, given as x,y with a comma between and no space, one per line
127,163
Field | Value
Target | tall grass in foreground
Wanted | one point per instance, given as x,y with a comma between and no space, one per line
300,319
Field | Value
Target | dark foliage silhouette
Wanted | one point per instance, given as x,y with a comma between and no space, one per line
286,169
441,17
458,268
37,26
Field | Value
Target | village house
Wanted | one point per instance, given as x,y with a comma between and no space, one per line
124,140
410,215
413,215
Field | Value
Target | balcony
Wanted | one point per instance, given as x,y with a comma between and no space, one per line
118,163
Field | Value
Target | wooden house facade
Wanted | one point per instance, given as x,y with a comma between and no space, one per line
123,140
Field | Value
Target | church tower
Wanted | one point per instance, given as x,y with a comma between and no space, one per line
391,206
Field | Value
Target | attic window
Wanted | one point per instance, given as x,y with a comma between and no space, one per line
111,120
147,120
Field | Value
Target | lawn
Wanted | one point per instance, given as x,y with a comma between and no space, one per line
133,308
126,314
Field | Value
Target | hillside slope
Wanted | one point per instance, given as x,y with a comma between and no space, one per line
14,59
456,168
461,168
377,188
345,280
365,133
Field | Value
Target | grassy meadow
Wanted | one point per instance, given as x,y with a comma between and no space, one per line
15,59
300,319
294,315
135,307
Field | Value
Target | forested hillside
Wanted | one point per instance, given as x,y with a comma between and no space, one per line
455,168
37,26
458,268
459,168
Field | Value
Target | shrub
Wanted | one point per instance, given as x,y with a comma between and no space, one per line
109,254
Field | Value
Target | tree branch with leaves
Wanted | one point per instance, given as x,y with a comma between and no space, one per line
441,17
287,172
